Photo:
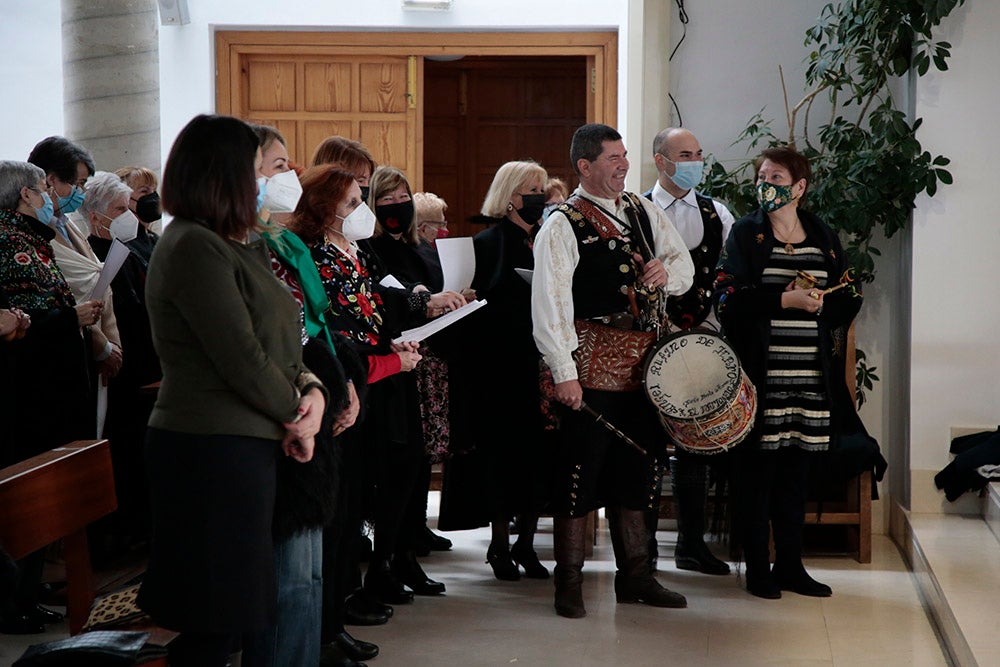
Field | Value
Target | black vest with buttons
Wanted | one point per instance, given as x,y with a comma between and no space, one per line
691,308
606,272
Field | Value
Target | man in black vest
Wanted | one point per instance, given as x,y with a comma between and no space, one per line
704,225
605,260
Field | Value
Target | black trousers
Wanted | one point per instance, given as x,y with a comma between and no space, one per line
594,467
773,487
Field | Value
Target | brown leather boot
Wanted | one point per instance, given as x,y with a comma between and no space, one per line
568,534
634,581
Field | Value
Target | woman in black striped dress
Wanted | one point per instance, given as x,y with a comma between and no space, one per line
790,333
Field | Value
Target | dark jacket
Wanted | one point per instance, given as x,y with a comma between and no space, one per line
745,312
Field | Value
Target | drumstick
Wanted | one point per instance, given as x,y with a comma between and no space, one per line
611,427
835,288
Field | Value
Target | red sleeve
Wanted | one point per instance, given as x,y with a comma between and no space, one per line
382,366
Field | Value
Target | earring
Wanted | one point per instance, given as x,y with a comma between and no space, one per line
510,207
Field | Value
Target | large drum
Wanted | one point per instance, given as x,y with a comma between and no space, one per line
705,400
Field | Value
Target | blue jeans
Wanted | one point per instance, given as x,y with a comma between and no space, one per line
294,642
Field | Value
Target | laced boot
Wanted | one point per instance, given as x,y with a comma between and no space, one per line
689,480
634,581
569,551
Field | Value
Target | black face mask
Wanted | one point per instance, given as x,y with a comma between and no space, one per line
531,209
395,218
364,192
147,208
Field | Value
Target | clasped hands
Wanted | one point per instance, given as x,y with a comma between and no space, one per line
299,439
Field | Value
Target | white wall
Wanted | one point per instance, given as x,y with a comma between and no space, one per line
30,75
186,52
956,243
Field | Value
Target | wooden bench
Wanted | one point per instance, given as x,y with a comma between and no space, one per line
54,496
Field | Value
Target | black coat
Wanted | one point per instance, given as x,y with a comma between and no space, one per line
745,312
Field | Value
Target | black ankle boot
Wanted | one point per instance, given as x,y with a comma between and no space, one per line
793,577
689,480
355,649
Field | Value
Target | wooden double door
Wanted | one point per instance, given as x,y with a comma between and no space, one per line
447,123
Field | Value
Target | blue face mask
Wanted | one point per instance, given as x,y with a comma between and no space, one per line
687,175
47,211
72,201
261,189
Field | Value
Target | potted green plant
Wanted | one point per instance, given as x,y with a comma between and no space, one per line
868,165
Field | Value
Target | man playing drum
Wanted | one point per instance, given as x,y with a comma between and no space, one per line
704,225
604,262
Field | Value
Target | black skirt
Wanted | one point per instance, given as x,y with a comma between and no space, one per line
211,568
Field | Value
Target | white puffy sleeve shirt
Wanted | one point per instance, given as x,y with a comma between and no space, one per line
556,258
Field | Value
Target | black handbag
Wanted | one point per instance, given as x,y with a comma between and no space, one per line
106,648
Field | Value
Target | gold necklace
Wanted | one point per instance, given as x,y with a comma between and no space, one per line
789,248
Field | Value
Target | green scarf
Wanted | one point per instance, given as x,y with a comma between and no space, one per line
294,254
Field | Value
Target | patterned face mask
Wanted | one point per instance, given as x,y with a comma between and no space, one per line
772,197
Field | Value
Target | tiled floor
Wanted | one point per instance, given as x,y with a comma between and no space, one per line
873,618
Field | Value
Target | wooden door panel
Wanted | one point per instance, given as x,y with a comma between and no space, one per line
271,85
387,142
383,87
315,131
311,96
328,86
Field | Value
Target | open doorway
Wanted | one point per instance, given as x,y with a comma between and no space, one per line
480,112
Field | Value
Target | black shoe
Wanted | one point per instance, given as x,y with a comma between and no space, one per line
798,580
527,558
20,625
39,614
764,587
356,614
331,656
647,590
698,558
355,649
431,541
382,584
504,567
408,571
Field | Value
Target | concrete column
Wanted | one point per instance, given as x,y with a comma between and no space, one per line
111,80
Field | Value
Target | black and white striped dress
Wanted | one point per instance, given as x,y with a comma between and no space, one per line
796,410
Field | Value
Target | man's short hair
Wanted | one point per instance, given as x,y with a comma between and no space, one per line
660,139
588,142
60,156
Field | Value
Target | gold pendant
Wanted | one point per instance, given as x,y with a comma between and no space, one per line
789,248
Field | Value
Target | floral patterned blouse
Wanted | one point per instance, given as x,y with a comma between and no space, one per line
356,307
29,275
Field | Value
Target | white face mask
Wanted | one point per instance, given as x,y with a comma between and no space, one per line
282,192
359,224
125,227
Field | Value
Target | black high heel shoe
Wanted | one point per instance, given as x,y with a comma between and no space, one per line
504,568
526,557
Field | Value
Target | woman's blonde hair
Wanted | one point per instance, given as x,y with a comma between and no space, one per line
383,181
427,206
136,177
508,179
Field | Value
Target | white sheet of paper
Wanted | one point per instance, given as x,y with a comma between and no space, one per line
420,333
113,262
390,281
458,262
525,273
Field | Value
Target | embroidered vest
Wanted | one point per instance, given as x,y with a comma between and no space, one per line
691,308
605,281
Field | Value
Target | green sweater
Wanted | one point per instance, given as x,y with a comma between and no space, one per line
228,335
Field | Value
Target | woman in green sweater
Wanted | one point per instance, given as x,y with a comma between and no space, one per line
234,395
